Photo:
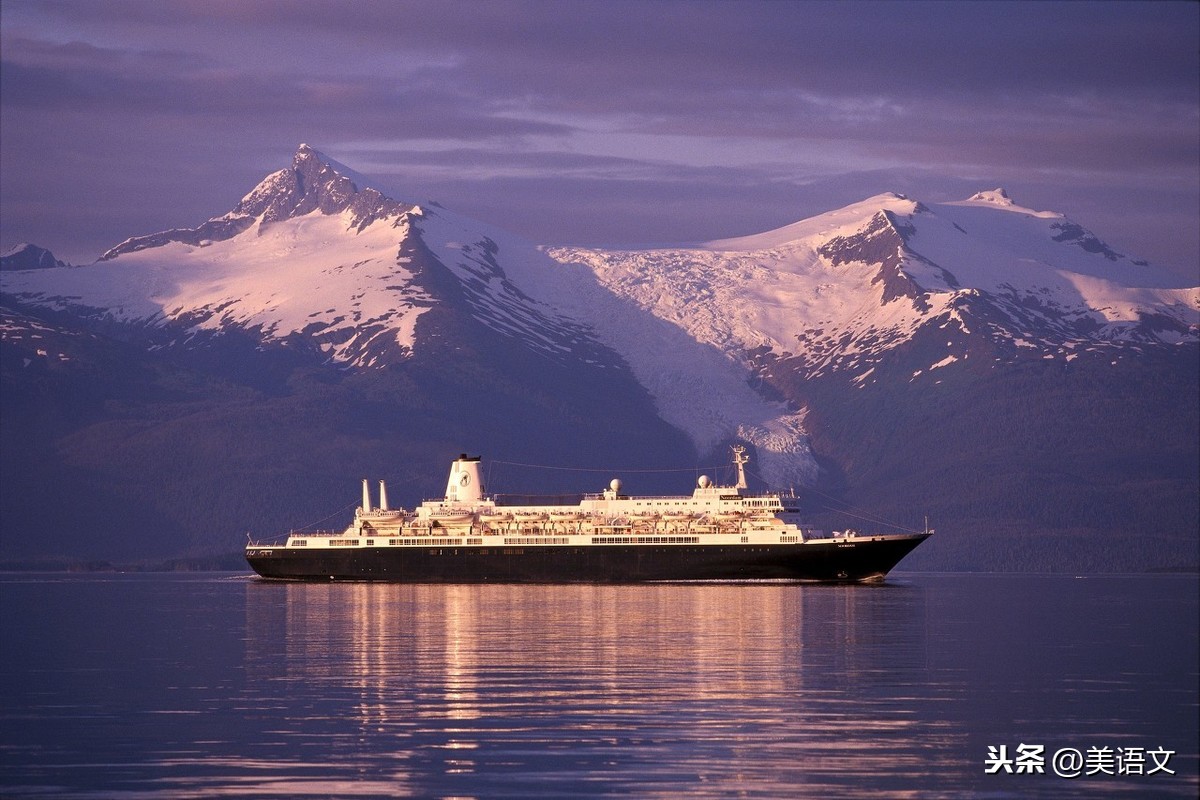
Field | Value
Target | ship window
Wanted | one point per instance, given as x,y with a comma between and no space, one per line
300,543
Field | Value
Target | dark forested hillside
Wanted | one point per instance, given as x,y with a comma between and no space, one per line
113,452
1090,464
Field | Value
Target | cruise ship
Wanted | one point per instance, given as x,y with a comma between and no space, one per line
720,533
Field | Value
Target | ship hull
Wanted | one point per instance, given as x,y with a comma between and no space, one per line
842,560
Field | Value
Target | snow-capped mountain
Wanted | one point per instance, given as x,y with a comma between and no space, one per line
327,317
304,254
311,256
838,292
29,256
314,258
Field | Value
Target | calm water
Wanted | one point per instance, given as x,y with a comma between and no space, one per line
220,685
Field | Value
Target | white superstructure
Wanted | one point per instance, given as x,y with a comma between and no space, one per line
467,516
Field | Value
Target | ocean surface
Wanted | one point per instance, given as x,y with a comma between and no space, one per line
931,685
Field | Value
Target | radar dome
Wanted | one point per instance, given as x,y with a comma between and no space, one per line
704,482
615,485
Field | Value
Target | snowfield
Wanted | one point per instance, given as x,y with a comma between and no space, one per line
782,290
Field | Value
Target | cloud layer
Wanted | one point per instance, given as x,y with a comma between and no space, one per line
616,122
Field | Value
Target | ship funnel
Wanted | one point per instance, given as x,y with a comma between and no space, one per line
366,505
465,484
383,506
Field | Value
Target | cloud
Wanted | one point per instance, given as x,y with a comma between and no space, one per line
625,102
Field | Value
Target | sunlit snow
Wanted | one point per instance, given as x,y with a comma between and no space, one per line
776,290
306,273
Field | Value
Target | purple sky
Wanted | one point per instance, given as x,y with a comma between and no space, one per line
608,123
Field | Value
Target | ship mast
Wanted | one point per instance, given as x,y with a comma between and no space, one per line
740,459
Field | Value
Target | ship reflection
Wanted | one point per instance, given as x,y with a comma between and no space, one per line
595,683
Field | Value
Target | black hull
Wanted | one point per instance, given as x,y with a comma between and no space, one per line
837,561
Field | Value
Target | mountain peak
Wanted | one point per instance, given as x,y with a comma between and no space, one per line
310,159
316,182
999,199
843,221
998,196
29,256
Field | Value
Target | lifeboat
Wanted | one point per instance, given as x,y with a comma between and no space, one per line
450,516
